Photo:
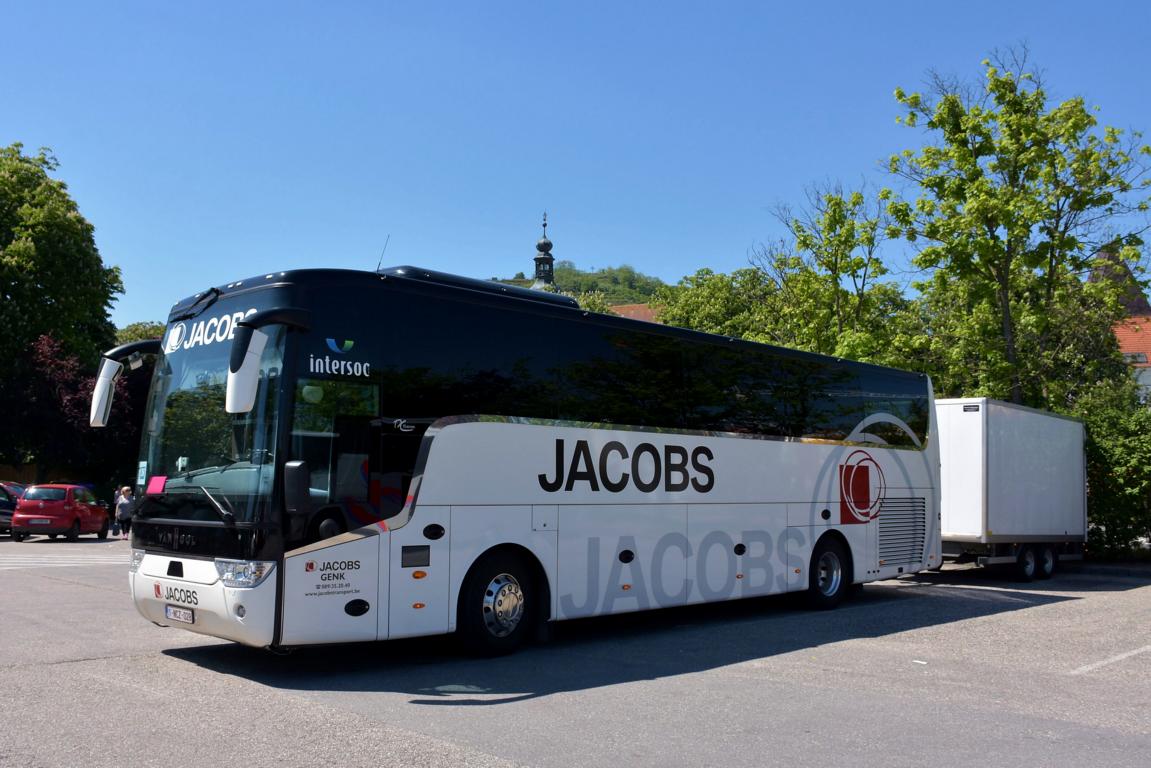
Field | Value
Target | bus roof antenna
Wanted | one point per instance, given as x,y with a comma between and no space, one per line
380,263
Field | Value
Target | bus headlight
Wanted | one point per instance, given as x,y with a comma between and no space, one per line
243,573
137,558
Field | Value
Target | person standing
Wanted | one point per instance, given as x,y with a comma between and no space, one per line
124,511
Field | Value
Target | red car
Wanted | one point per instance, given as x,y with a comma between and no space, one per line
58,509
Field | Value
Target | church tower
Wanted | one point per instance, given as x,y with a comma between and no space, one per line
544,260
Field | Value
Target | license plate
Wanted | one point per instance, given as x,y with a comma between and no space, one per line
176,613
39,522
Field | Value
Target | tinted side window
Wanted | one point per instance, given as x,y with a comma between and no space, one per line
609,375
463,358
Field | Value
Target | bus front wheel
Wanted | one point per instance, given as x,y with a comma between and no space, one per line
829,576
497,605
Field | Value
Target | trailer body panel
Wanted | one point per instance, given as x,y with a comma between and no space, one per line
1010,474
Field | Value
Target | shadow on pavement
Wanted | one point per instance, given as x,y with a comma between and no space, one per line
1071,577
591,653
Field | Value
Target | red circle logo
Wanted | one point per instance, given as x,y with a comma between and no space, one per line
861,487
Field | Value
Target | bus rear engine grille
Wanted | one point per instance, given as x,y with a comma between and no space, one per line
902,529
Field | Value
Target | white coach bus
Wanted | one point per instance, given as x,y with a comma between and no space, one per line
334,456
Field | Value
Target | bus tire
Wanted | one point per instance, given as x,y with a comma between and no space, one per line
829,576
497,610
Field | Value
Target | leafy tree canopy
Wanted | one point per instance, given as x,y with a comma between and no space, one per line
141,331
1015,196
52,280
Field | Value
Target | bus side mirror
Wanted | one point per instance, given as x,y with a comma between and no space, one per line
248,343
110,369
297,480
103,392
244,369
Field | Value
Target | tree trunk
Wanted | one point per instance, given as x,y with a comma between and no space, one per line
1009,339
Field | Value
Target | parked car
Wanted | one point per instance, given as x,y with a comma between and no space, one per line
7,507
57,508
15,490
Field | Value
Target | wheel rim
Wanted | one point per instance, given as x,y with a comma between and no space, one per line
1029,561
503,605
829,572
1048,561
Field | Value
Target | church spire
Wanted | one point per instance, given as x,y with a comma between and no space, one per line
544,259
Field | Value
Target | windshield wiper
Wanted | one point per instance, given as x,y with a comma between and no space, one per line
228,461
226,515
209,297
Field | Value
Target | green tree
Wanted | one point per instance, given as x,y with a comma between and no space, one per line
619,285
52,279
818,291
1015,198
141,331
1118,466
835,241
52,283
733,304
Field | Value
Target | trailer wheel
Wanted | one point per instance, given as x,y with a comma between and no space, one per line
497,608
1026,563
1045,567
828,577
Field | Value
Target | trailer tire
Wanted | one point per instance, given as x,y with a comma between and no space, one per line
497,610
1026,563
829,574
1046,562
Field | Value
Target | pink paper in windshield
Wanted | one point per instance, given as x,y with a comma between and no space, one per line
156,484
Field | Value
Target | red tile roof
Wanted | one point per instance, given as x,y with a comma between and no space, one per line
643,312
1134,335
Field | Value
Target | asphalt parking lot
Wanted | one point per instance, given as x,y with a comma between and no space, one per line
937,669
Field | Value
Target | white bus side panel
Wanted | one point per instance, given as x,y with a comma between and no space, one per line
716,571
595,541
331,590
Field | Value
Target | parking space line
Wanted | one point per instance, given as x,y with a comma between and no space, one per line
14,562
1099,664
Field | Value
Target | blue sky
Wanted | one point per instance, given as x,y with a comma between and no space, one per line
211,141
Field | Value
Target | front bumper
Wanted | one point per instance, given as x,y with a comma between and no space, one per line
245,615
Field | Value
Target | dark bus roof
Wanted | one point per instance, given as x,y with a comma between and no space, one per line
520,299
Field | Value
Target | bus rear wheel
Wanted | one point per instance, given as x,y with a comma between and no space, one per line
829,576
497,605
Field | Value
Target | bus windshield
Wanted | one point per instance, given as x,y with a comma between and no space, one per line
197,461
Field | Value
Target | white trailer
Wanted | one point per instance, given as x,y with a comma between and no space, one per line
1013,485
